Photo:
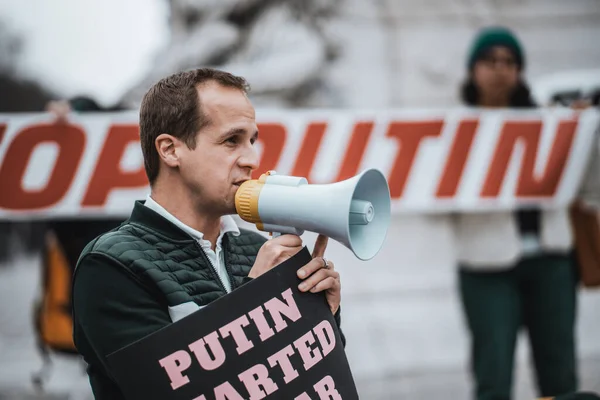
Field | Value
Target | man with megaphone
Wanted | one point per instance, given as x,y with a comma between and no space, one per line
180,249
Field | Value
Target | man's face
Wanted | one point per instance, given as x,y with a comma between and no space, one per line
497,74
225,155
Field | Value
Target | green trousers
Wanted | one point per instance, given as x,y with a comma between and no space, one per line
539,294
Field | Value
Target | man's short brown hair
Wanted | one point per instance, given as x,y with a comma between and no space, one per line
172,106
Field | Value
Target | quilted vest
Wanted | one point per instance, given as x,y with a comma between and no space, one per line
172,264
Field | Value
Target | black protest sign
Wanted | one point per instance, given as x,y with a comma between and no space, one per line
264,340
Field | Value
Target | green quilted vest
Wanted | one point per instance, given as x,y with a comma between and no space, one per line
171,263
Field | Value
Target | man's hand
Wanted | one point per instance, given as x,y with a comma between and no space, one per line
274,252
580,104
60,109
319,275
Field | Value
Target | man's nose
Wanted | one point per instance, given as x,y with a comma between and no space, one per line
250,158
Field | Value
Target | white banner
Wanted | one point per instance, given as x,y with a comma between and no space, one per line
435,160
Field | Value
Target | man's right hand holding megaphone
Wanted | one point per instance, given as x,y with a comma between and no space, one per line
318,275
354,212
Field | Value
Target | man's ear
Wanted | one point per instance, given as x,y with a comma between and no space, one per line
167,148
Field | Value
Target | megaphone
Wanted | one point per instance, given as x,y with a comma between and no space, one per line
354,212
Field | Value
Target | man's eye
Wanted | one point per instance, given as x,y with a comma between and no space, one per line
232,140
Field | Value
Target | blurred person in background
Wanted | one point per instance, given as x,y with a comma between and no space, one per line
18,94
65,239
516,269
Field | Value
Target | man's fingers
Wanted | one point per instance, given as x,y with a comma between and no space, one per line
320,246
314,265
290,252
315,279
288,240
326,284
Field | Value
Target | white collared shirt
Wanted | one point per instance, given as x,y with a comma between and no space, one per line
217,259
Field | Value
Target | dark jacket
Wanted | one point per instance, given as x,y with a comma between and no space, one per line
126,279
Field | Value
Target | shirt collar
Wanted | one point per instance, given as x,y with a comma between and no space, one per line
227,222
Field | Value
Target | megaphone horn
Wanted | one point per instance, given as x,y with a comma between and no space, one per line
354,212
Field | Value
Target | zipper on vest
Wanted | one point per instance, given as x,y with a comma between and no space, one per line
225,245
213,268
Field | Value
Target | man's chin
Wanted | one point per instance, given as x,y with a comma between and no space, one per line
224,207
230,208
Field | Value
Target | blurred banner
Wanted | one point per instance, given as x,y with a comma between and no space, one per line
435,160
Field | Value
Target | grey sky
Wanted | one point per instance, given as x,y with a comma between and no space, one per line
86,46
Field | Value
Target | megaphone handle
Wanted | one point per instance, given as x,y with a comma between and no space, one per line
275,234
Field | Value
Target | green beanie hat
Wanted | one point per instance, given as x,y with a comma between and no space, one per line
495,36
